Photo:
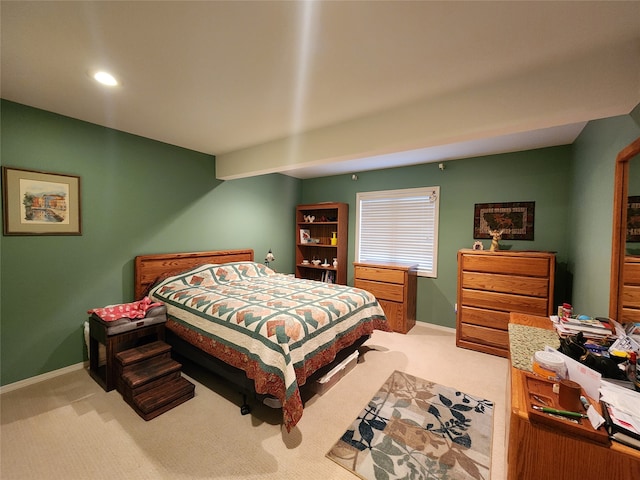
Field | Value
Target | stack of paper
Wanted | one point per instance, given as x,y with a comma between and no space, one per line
590,327
621,407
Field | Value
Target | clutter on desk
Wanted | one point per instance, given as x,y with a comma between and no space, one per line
621,408
563,412
605,348
566,368
566,323
600,343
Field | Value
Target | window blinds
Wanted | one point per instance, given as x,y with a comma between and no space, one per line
400,226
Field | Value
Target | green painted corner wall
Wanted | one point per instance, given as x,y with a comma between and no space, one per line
591,222
138,196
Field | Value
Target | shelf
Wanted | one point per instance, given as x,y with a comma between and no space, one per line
317,245
317,267
323,231
317,223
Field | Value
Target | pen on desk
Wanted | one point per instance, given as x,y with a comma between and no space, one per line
564,413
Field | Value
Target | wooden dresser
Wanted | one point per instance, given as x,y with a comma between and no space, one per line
493,284
394,285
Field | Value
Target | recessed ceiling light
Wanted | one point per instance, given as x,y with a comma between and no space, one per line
105,78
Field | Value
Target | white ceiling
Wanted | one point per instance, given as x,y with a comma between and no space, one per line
241,79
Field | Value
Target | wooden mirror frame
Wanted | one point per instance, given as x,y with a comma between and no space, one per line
618,244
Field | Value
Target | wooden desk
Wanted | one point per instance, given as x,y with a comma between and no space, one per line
537,451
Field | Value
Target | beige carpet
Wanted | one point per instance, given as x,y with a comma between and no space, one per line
69,428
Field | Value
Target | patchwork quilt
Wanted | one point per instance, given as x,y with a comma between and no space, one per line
277,328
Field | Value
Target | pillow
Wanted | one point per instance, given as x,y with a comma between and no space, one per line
230,272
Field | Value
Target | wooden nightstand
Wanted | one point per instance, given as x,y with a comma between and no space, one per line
105,375
394,285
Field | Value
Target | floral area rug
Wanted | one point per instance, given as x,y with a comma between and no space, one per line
416,429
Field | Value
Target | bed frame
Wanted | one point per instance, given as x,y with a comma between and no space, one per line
151,268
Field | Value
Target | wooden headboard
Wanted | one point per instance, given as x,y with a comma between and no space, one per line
148,268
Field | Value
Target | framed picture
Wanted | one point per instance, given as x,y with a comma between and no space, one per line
305,236
633,219
515,219
40,203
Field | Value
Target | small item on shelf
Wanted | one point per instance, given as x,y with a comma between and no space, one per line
335,263
334,238
305,236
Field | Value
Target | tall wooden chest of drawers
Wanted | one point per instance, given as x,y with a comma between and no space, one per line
394,285
493,284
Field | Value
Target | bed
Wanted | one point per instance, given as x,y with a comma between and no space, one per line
268,333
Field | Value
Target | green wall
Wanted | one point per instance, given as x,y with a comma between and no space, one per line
595,151
138,196
536,175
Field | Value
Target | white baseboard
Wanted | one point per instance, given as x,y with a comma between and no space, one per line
41,378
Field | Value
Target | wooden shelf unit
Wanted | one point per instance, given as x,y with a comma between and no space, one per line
395,286
329,217
493,284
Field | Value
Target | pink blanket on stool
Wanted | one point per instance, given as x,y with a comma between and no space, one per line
125,310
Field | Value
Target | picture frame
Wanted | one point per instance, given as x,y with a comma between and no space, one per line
515,219
305,235
40,203
633,219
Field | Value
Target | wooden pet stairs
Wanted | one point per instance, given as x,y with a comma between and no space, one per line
150,381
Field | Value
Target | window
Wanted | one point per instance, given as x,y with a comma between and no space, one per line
400,226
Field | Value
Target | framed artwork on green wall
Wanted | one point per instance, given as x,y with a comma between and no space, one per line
514,219
40,203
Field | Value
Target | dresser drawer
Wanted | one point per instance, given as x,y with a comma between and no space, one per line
508,265
504,302
484,336
379,274
485,318
631,272
533,286
384,291
631,296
